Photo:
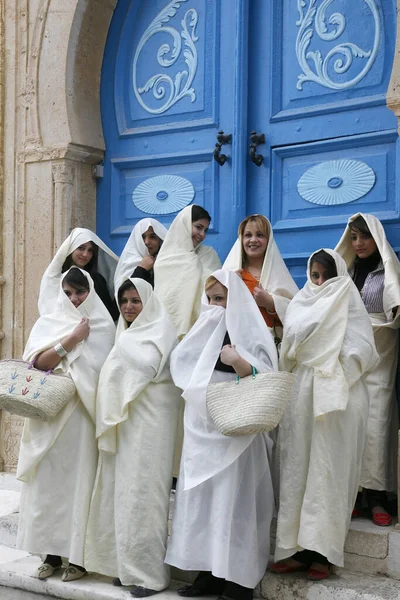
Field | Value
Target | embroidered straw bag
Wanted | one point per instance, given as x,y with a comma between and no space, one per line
28,392
252,404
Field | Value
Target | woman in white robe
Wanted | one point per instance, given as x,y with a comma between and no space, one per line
58,459
183,264
256,256
140,252
375,269
85,250
225,500
328,343
137,416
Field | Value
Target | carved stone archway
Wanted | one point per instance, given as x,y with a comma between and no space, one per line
53,136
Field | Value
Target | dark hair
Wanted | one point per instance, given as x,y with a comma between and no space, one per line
360,224
198,212
127,285
327,261
91,267
76,279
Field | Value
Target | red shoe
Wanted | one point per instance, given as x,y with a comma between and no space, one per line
282,567
382,519
356,514
316,575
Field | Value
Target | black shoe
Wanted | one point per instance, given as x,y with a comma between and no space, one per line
141,592
116,581
234,591
205,584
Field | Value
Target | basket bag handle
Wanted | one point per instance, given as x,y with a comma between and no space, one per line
253,374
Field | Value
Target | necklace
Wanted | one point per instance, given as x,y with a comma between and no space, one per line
256,272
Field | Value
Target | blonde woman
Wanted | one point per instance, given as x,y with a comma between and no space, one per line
225,499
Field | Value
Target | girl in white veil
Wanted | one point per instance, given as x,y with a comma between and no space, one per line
57,460
375,269
137,416
328,343
183,264
225,500
140,252
85,250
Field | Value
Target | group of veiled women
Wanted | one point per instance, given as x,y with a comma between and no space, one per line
97,478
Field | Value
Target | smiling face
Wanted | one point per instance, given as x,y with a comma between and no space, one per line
77,295
254,241
131,305
151,241
363,243
217,295
199,231
82,256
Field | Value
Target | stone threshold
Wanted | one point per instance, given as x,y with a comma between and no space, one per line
17,582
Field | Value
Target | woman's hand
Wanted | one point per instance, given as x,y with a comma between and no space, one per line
81,331
229,355
147,262
263,298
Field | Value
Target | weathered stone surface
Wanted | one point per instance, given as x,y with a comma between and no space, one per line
17,582
337,587
366,539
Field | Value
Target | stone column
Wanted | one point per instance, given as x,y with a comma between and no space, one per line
63,177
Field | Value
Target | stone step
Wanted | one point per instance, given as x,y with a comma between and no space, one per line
345,586
18,582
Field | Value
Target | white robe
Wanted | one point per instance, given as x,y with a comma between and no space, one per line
225,500
328,343
57,460
379,470
138,407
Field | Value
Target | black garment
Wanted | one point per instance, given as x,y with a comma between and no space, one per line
142,273
363,267
219,365
307,557
53,560
207,584
100,286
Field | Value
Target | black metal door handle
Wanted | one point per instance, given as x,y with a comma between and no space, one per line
221,140
256,139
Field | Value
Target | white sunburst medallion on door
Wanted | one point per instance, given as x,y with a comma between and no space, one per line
163,194
336,182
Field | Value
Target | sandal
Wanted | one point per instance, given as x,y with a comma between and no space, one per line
282,567
73,573
46,570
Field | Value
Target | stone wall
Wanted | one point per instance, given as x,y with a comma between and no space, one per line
50,125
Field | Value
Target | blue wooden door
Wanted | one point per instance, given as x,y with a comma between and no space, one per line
311,75
319,72
171,80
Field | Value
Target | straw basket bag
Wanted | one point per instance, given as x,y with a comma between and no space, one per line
252,404
28,392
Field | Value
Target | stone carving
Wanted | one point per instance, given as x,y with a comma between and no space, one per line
314,19
11,431
163,195
161,83
336,182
